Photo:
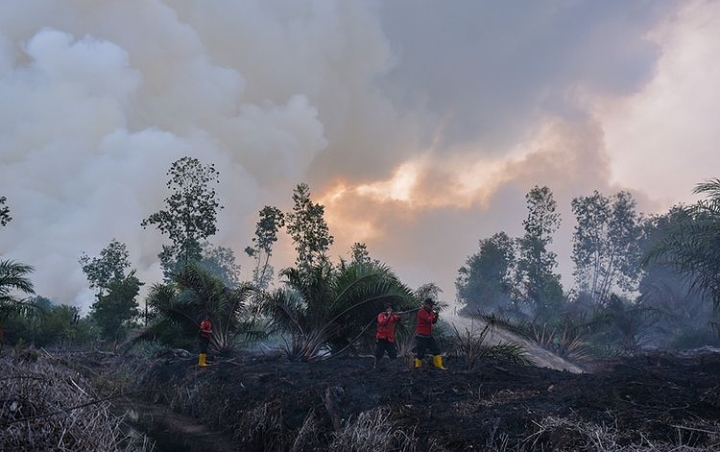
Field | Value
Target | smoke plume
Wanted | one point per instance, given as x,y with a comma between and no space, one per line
419,124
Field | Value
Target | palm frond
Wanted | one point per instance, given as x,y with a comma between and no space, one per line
471,346
508,352
692,246
288,310
14,276
334,305
710,187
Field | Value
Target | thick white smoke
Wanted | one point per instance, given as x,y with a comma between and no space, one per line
98,98
420,136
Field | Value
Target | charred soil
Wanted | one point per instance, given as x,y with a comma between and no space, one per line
649,402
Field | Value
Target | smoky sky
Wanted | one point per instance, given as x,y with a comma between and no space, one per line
420,125
487,69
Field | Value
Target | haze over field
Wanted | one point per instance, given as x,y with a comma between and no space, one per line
419,124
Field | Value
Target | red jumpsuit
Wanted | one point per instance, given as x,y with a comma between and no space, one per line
385,335
205,335
424,341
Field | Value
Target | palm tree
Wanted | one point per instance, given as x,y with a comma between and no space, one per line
180,305
693,247
333,307
13,278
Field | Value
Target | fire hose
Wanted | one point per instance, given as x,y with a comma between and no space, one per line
363,332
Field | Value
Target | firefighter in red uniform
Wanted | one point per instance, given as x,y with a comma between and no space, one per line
427,317
205,335
385,334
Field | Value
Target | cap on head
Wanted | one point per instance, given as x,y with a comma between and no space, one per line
387,305
429,302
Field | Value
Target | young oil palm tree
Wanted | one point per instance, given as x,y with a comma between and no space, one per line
693,246
567,336
180,305
333,307
13,278
472,347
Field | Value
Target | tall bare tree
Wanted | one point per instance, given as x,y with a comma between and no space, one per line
538,284
606,246
110,266
220,261
190,215
266,234
485,283
116,306
308,230
4,212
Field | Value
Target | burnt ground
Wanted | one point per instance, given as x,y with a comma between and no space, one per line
649,402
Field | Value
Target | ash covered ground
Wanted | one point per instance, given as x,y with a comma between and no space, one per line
657,401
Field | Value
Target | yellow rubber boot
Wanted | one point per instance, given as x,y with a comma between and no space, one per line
418,363
437,360
201,361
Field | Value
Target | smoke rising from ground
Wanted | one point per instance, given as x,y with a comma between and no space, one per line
420,125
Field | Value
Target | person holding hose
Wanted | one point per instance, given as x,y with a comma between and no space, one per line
424,340
385,334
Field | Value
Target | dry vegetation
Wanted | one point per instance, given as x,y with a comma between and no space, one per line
657,402
45,406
